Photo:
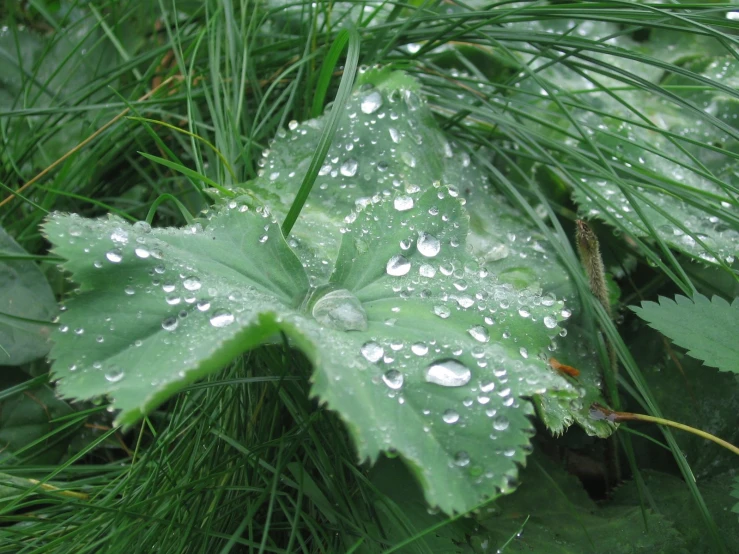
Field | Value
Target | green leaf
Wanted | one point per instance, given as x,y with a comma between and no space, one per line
27,306
406,358
159,308
672,500
562,519
26,417
689,393
403,514
708,329
735,494
388,143
422,345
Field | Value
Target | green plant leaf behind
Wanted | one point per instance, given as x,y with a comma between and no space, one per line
26,417
562,519
27,306
672,500
708,329
690,393
405,518
158,308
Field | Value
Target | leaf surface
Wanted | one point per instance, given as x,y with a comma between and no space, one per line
27,306
708,329
388,145
560,518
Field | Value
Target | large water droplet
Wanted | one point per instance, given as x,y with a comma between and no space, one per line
169,323
341,310
427,270
428,245
497,252
398,265
501,423
393,379
371,102
119,235
442,311
448,373
550,322
419,348
114,256
114,375
372,351
450,416
192,283
349,168
461,459
221,318
403,203
479,333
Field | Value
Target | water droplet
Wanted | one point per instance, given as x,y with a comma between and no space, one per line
142,252
393,379
479,333
398,265
403,203
501,423
448,373
427,270
129,290
349,168
203,305
341,310
192,283
372,351
497,252
114,375
461,459
408,159
221,318
169,323
119,235
550,322
371,102
465,301
419,348
142,227
450,416
428,245
114,256
442,311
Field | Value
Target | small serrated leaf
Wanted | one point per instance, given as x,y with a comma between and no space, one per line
707,329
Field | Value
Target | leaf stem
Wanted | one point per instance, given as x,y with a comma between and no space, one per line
601,412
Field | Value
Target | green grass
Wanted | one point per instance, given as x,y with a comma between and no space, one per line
244,462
